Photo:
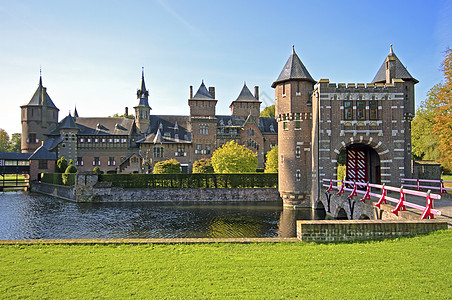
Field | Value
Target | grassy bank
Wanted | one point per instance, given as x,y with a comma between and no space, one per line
408,268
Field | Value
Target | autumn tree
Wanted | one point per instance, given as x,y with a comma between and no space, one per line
203,165
432,126
269,111
170,166
271,161
234,158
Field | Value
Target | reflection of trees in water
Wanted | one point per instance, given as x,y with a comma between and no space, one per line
228,226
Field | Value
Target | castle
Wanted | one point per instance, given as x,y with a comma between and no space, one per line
315,122
318,120
135,144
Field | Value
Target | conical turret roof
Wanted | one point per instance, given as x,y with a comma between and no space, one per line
68,123
293,69
400,71
142,93
40,97
202,93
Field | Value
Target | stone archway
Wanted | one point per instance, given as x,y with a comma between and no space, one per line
341,214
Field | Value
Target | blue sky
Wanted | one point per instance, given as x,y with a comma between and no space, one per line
92,52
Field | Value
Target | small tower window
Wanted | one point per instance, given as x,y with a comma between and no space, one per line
298,175
348,110
284,89
373,109
360,110
297,152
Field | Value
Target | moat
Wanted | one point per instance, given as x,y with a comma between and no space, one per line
34,216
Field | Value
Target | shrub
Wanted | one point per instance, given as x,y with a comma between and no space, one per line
271,162
61,165
71,169
170,166
203,166
234,158
97,170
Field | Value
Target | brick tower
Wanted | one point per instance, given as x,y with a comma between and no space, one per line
293,111
38,116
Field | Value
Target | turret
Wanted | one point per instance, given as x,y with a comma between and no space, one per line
293,111
142,110
38,116
246,104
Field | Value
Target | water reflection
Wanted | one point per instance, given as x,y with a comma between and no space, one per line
34,216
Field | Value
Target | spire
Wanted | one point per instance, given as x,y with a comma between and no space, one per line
293,69
245,94
398,69
142,93
75,112
40,96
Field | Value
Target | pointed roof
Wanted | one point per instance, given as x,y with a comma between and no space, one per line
246,95
293,69
400,71
142,93
67,123
249,120
42,153
158,137
202,93
75,113
40,97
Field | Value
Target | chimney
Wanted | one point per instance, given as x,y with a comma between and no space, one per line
127,111
256,92
212,91
191,92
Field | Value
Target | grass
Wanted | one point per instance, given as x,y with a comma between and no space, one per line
406,268
447,178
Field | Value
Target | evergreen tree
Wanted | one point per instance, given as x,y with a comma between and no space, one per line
62,165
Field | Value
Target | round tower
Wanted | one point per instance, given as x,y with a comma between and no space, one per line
293,111
142,110
38,116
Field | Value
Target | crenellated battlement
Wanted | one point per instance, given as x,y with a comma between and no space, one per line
353,87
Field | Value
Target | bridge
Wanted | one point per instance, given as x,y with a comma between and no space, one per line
352,200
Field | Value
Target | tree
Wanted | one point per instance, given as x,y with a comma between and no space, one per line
97,170
269,111
62,165
234,158
432,126
116,115
14,143
203,165
271,161
71,169
170,166
4,141
443,118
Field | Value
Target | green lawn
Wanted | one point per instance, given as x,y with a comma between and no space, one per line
407,268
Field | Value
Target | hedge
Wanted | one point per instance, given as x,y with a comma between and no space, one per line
244,180
58,178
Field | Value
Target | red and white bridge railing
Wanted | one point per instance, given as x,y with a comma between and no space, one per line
365,189
438,184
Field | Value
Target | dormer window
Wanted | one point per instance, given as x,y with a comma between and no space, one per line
229,122
161,126
272,128
221,122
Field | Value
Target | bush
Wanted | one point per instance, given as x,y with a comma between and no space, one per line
171,166
249,180
61,165
97,170
203,166
271,162
71,169
67,179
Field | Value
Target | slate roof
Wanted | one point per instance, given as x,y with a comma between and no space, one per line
52,142
293,69
246,95
14,156
67,123
400,71
105,126
229,121
41,98
202,93
163,129
42,153
142,93
268,125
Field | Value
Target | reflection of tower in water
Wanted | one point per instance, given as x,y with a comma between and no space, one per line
287,226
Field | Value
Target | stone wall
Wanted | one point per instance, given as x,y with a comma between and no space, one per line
59,191
360,230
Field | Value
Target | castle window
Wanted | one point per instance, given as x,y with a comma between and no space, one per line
203,129
42,164
284,89
110,140
373,106
207,149
111,161
79,161
297,152
176,136
96,161
297,124
158,152
348,110
180,150
167,134
360,110
82,140
298,175
282,158
272,128
88,140
32,138
285,125
123,140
